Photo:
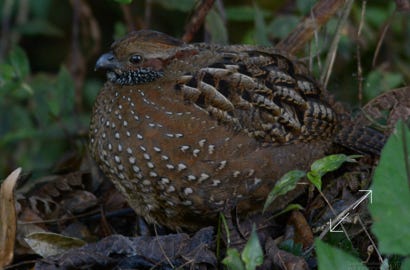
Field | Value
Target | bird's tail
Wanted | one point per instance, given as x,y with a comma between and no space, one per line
362,139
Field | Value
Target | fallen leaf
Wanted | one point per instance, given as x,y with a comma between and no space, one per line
48,244
8,219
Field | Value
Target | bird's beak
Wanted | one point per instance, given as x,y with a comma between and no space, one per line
107,61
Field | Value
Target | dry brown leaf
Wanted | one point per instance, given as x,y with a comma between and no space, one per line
48,244
8,219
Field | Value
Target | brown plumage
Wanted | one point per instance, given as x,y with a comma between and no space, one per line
187,130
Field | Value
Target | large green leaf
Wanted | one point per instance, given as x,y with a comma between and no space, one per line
327,164
391,194
252,254
333,258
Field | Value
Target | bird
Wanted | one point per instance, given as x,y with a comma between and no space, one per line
187,131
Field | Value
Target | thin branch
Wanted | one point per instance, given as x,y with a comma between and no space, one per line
303,33
328,66
381,39
197,19
358,54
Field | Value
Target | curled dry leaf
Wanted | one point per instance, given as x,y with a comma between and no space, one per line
387,108
8,218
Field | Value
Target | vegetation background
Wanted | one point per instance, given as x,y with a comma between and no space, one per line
48,49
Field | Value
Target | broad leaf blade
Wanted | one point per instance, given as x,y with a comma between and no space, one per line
252,254
333,258
391,195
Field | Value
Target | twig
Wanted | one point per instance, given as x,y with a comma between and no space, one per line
371,239
197,19
328,66
162,248
358,54
382,36
301,35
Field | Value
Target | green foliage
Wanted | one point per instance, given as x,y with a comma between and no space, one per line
333,258
233,260
378,81
391,194
281,26
327,164
391,197
244,13
252,254
249,259
290,246
318,168
261,37
40,27
36,112
287,183
216,27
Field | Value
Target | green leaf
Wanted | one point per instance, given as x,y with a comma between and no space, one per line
18,59
252,254
64,94
282,25
287,183
391,194
333,258
292,247
216,27
305,6
233,260
261,37
315,179
6,73
120,30
378,81
406,264
327,164
226,227
331,163
244,13
40,27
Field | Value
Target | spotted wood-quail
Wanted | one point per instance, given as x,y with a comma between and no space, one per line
188,130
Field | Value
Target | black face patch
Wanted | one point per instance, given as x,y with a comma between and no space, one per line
139,76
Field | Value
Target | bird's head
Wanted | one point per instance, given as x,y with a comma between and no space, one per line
140,57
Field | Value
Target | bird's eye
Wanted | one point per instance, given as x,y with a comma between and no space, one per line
135,59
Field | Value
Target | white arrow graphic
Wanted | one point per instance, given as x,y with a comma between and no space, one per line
332,229
369,192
